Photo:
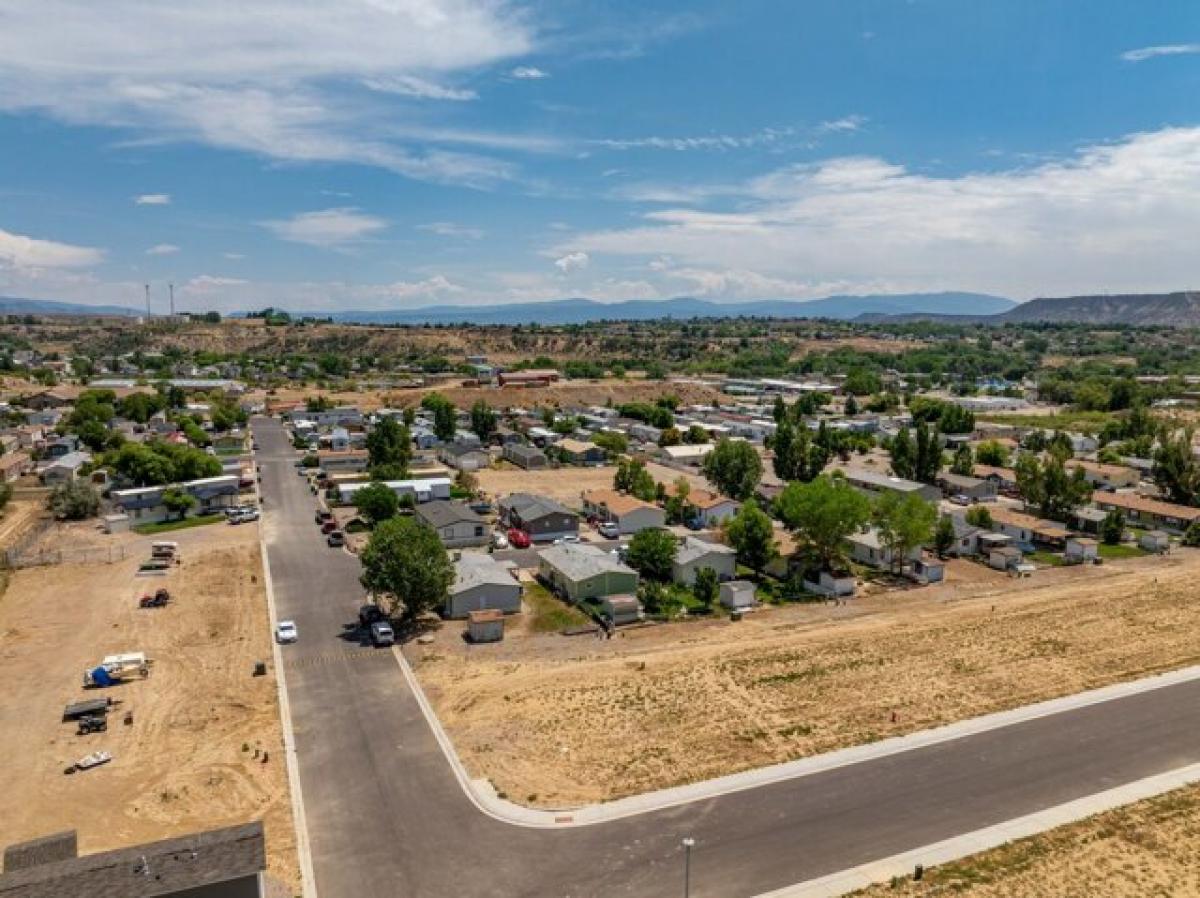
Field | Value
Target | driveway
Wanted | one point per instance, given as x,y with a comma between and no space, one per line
387,817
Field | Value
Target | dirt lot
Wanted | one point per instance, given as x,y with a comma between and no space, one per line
1148,848
188,761
562,484
572,721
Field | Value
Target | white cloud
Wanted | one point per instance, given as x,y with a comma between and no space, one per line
153,199
207,283
574,261
762,137
528,73
234,256
20,252
1143,53
450,229
282,79
412,86
162,249
327,227
846,125
1114,217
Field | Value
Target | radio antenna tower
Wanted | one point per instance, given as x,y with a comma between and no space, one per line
147,302
171,288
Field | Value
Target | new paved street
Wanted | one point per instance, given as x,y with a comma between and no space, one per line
387,817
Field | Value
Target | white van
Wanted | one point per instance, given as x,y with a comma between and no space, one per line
164,549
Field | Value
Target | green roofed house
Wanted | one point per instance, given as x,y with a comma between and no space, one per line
580,571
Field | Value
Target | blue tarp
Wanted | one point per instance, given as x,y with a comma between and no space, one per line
100,677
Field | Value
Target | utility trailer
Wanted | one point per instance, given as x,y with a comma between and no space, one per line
89,707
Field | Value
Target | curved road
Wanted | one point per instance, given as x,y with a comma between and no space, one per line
387,817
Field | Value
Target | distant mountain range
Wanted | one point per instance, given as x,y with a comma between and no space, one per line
1139,309
12,305
579,311
1173,309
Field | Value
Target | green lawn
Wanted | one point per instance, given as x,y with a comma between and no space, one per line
1121,551
549,614
1050,559
185,524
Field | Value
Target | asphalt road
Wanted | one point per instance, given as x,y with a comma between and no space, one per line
387,818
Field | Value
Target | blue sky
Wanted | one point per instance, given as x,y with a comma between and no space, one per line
399,153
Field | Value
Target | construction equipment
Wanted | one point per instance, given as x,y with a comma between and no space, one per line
117,668
158,600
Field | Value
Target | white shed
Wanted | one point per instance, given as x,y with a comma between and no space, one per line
737,595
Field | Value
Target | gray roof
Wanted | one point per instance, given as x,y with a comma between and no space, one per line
144,871
531,507
480,570
960,480
444,513
692,549
524,451
579,561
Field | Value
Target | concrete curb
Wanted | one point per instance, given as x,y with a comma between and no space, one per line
308,882
967,844
484,797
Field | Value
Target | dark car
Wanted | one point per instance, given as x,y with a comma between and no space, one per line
369,614
336,538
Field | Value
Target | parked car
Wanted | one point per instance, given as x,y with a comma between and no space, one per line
285,632
960,499
323,515
336,538
608,529
329,526
695,524
381,634
571,538
499,540
369,614
519,539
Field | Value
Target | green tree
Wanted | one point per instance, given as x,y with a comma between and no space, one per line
1112,528
1191,536
389,450
821,514
905,521
989,452
797,455
405,564
752,535
1176,470
652,553
696,435
964,461
734,467
705,586
928,459
943,536
1048,486
483,420
979,516
74,500
178,502
903,454
6,494
851,408
376,502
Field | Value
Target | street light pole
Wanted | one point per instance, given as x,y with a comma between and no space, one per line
688,843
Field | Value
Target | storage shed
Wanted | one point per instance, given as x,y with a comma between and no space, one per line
485,626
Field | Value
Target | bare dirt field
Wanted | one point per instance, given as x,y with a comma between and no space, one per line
561,484
188,761
1148,848
562,394
558,722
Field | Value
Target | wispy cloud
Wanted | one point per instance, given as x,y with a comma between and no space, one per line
412,86
280,79
235,257
759,138
327,227
1119,216
1143,53
450,229
845,125
153,199
162,249
528,73
19,252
